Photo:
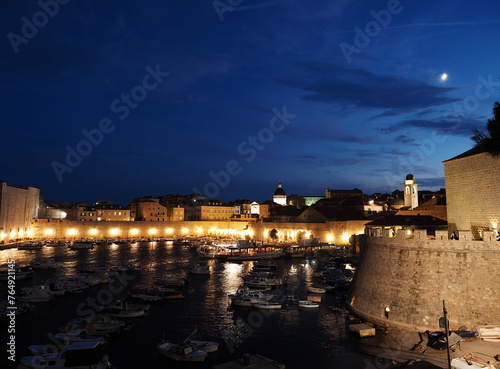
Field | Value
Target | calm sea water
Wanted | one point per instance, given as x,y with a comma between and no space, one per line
298,338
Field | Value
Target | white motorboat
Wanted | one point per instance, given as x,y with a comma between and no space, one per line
79,355
185,352
200,268
308,304
247,292
263,282
100,324
53,288
80,335
268,305
35,294
172,281
124,309
243,301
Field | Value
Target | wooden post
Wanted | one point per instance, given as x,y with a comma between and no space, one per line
447,333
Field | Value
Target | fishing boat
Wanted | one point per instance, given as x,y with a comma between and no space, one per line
308,304
244,301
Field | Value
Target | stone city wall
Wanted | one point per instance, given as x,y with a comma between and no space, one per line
336,232
412,277
71,230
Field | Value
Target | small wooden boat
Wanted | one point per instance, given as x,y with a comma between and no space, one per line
82,245
313,289
267,305
308,304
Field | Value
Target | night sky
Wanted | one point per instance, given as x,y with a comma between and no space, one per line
112,100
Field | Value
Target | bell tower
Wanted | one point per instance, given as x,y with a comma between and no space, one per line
411,192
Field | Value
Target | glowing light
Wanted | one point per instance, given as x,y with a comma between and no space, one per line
329,237
199,230
345,237
212,230
408,232
49,232
71,232
153,231
185,230
3,235
12,234
444,77
114,232
29,233
21,233
169,230
134,231
93,231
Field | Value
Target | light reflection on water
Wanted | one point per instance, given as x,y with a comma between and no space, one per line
291,336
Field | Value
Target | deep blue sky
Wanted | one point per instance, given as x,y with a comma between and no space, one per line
362,110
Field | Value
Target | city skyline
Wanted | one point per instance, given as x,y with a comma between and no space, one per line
121,100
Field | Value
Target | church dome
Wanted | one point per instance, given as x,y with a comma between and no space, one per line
279,191
409,176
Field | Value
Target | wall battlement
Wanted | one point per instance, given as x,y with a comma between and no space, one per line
412,276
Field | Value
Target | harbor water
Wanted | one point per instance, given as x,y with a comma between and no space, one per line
296,337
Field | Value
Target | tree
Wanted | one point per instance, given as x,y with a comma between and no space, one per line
490,140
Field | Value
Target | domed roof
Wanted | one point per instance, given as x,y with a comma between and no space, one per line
279,191
410,176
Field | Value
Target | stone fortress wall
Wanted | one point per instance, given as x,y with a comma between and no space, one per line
472,193
401,282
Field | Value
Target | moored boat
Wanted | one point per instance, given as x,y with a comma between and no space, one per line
77,245
178,352
268,305
308,304
79,355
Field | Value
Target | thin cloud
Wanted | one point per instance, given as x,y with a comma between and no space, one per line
454,127
334,84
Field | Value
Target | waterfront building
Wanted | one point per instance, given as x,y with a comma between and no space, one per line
100,211
18,207
209,210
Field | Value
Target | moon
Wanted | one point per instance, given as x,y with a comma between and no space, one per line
444,77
